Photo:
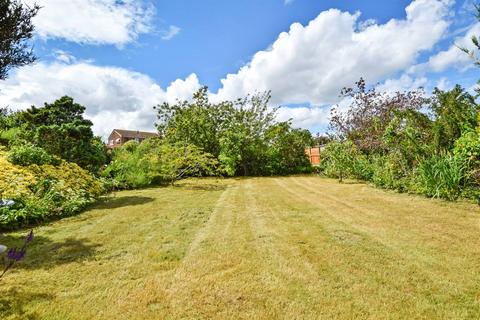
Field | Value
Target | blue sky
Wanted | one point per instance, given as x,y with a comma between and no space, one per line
119,58
216,37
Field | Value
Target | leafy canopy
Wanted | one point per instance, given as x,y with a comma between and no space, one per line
242,134
61,130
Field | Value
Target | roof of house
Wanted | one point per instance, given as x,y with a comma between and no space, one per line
135,133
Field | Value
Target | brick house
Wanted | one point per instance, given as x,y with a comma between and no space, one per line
119,136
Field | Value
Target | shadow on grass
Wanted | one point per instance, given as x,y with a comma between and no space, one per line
43,253
114,201
12,303
202,187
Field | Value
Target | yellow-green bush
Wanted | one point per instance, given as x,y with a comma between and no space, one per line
42,192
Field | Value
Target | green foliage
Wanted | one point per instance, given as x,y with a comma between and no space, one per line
468,147
26,155
443,176
44,192
286,151
16,29
60,129
241,134
198,122
392,171
408,134
455,112
8,136
407,143
154,161
338,159
366,119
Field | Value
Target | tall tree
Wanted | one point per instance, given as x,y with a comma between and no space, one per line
242,134
198,122
369,114
16,29
61,130
455,112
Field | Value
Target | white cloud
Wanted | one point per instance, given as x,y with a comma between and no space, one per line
365,24
114,97
453,56
305,117
170,33
312,63
404,83
443,84
64,56
309,64
92,21
287,2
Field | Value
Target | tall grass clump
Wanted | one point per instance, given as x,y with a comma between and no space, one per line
443,176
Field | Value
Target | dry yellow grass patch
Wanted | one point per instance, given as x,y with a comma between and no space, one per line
264,248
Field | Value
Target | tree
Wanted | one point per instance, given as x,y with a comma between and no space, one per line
15,29
61,130
475,41
61,111
244,143
409,133
198,122
455,112
242,134
338,158
286,149
369,113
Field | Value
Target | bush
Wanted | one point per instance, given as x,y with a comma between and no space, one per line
28,154
362,168
468,147
443,176
392,172
342,160
154,161
43,192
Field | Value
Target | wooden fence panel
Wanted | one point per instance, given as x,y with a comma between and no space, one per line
313,154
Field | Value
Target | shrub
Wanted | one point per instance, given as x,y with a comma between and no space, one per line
42,192
342,159
362,168
392,172
28,154
468,147
154,161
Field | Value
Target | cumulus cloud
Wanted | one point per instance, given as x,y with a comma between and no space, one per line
308,64
170,33
313,62
92,21
453,56
362,25
305,117
404,83
114,97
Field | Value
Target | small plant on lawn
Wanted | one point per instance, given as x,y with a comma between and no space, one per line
14,255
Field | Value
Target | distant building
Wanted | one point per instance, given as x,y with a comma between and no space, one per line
118,137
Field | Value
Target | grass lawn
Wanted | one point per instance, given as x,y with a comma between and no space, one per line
265,248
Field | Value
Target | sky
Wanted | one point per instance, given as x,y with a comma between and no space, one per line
119,58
